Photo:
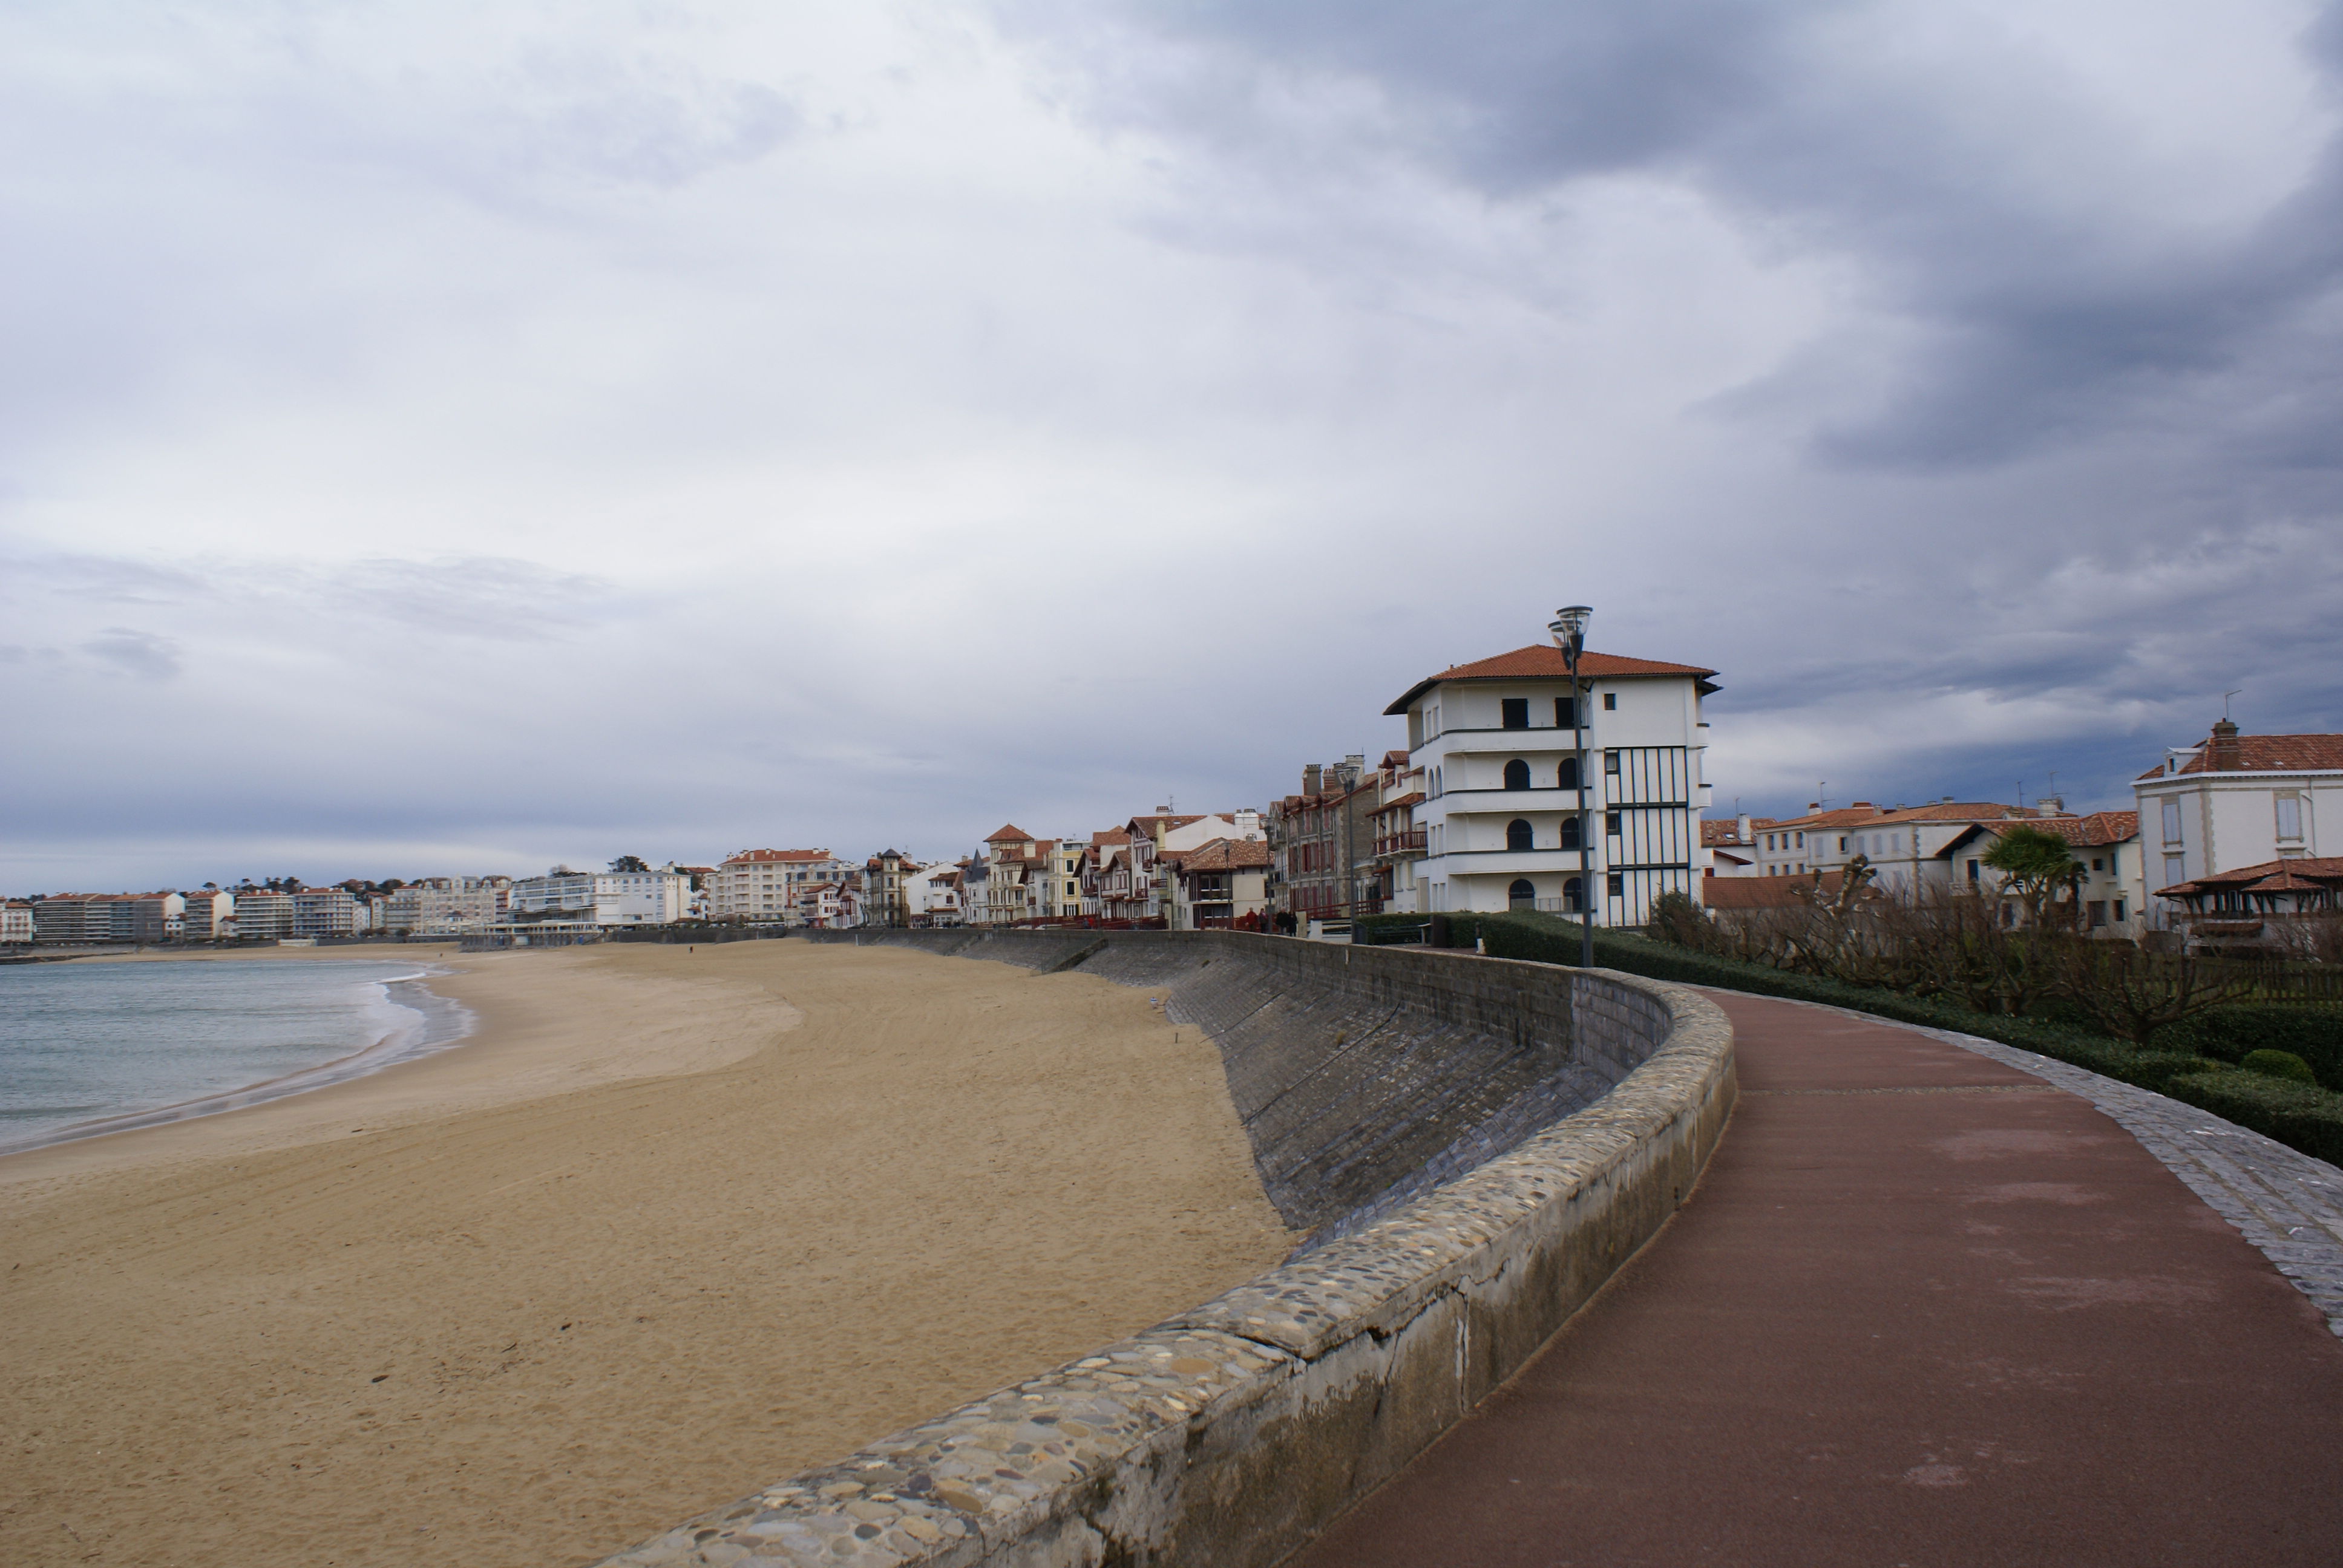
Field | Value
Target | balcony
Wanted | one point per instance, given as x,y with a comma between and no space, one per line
1409,842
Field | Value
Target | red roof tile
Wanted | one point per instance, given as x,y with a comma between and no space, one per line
1010,832
2267,754
769,855
1224,855
1763,892
1543,661
2269,876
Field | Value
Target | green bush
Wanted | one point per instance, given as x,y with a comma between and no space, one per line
2299,1115
2279,1064
2227,1033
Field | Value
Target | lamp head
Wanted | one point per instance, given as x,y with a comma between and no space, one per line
1569,629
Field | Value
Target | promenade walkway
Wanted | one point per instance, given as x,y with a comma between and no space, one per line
1923,1308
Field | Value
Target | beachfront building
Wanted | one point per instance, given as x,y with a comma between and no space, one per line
1217,885
209,915
324,913
1322,842
16,922
886,900
263,915
763,886
2235,802
1398,842
931,894
1499,740
443,906
603,897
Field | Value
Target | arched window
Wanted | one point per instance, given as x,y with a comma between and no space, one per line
1569,832
1573,895
1569,776
1523,893
1518,835
1517,774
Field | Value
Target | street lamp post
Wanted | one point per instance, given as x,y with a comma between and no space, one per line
1569,629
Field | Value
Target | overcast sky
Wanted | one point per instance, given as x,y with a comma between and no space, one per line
441,438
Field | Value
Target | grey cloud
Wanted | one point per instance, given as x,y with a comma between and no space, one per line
133,652
2039,326
502,599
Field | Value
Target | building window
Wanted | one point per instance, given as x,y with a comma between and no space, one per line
2119,912
1618,884
1568,776
2172,821
1569,834
1973,872
1517,774
1565,713
2289,816
1522,894
1518,835
1574,894
1802,840
1516,710
2176,870
1611,824
1611,705
1611,762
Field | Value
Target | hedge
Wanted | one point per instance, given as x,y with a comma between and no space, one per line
2227,1033
2312,1119
2296,1114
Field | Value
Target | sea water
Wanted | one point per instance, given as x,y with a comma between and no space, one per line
88,1047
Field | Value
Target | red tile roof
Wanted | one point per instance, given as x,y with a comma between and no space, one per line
1726,830
1959,812
2269,876
1010,832
1764,892
768,855
2267,754
1543,661
1224,855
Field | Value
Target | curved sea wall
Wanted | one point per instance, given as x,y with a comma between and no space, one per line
1377,1084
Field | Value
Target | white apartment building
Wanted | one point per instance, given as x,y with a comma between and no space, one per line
325,912
1498,741
2235,800
262,916
763,885
208,914
444,906
606,898
16,922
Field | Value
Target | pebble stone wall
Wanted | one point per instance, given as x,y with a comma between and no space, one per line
1232,1433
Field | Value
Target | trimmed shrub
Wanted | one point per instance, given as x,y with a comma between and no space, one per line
2299,1115
2279,1064
2227,1033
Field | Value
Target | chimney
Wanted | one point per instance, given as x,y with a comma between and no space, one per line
1248,824
2050,805
1813,807
2222,756
1309,777
1742,834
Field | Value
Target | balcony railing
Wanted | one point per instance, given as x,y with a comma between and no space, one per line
1406,843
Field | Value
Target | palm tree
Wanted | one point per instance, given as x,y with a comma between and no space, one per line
2035,865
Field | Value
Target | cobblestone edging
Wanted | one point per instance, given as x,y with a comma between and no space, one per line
2288,1205
1230,1434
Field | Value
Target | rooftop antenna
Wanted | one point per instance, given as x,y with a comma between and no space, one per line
2225,701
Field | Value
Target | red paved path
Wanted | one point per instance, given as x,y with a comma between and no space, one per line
1911,1316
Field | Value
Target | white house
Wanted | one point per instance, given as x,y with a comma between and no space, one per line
1498,741
2235,800
15,921
931,895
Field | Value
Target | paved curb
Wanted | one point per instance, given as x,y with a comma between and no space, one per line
2286,1203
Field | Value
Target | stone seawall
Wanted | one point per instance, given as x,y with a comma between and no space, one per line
1232,1433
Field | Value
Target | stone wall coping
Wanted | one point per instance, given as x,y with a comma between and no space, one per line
1033,1473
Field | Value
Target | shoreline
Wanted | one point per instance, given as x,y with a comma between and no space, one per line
407,1043
665,1227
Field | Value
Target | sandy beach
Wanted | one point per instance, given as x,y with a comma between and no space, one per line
671,1225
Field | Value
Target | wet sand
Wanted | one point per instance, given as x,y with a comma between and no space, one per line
670,1226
